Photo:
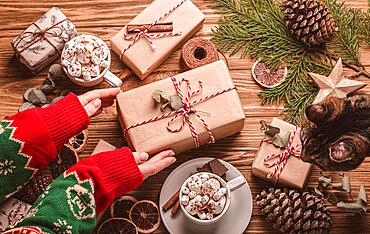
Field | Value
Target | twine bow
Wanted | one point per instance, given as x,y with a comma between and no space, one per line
145,32
186,110
279,164
33,37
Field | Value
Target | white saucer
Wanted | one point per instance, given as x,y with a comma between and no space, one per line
236,218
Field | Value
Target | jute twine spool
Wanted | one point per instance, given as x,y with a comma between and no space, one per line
198,52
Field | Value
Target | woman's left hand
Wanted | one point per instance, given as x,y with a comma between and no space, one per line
96,99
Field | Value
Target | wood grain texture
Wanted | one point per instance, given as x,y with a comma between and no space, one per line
104,19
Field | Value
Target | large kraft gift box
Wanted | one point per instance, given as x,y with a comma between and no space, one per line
295,172
222,113
187,19
42,42
102,146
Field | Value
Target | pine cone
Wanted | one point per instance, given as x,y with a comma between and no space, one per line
292,211
309,21
35,187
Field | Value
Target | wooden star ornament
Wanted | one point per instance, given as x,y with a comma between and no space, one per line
335,85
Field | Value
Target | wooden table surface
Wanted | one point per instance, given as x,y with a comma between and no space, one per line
104,19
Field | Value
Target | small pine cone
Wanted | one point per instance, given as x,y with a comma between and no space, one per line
292,211
309,21
35,187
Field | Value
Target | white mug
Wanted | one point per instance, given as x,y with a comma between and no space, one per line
231,186
105,75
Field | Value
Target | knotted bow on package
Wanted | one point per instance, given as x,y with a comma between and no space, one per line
42,42
210,110
143,50
282,165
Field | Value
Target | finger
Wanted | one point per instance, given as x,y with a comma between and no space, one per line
161,155
98,93
92,107
149,169
140,157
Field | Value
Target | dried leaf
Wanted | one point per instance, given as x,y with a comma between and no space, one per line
338,186
156,95
346,183
64,93
56,99
318,192
285,139
270,131
332,198
277,141
324,181
163,106
350,207
25,106
56,72
46,89
35,96
175,102
362,198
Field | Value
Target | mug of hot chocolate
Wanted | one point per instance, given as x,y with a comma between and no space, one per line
86,61
206,197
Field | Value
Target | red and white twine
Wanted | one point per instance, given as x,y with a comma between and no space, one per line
186,110
145,32
279,164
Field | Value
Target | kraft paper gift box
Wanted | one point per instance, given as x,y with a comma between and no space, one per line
295,172
11,211
42,42
222,113
102,146
187,19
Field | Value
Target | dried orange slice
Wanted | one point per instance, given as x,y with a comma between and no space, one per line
121,207
65,159
117,225
266,77
145,215
79,142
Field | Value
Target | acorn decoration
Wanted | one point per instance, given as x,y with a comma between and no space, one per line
35,187
309,21
293,211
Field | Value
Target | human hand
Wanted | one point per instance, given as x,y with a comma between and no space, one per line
155,164
96,99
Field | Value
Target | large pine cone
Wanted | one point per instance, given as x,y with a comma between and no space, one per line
292,211
309,21
35,187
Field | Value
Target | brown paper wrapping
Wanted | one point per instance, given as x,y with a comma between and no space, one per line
103,146
295,172
187,19
8,208
137,105
40,54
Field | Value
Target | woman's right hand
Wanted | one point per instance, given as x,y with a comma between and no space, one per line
155,164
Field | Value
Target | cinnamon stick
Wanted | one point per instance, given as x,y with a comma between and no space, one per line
159,27
172,201
175,208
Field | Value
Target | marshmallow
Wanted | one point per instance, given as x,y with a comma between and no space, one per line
65,62
204,177
95,71
205,200
198,200
185,200
185,190
221,192
209,216
195,184
96,60
219,205
202,215
74,69
86,76
210,186
191,208
192,194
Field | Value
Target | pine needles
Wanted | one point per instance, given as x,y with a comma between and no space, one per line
255,27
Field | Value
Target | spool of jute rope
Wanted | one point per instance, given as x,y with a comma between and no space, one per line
198,52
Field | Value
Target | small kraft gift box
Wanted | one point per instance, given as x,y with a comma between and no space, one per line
12,211
210,109
155,33
282,165
42,42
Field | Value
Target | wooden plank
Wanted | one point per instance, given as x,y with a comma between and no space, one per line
104,20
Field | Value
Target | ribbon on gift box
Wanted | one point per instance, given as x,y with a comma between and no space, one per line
32,38
282,157
185,111
145,32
